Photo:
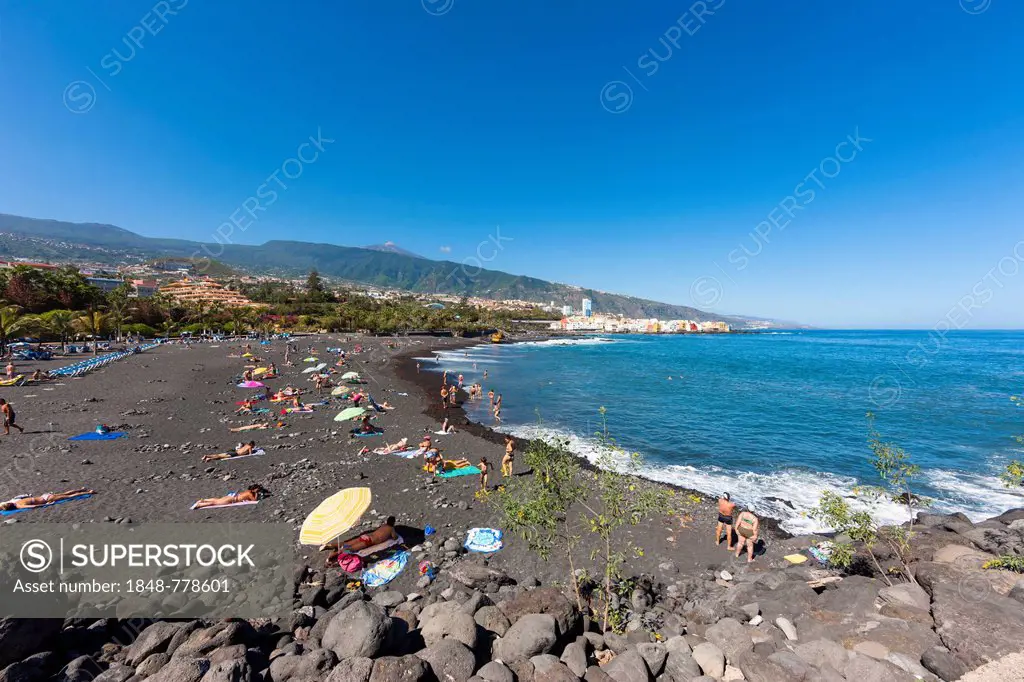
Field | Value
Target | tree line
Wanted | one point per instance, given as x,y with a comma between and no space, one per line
60,305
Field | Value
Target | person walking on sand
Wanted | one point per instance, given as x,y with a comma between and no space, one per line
9,417
484,468
509,459
725,511
747,525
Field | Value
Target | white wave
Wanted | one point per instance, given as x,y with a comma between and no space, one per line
765,494
979,496
586,341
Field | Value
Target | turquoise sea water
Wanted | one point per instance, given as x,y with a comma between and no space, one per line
774,418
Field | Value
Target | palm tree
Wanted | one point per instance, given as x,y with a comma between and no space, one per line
117,314
13,324
94,323
240,316
60,323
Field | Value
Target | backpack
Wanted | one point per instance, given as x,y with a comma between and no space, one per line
350,563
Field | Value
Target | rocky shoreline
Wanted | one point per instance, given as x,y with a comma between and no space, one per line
693,614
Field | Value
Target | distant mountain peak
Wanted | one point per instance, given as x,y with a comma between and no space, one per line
391,247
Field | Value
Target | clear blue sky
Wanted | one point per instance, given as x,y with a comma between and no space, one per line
449,122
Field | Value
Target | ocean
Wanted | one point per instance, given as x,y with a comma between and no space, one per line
773,418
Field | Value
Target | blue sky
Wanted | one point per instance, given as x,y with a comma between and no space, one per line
645,148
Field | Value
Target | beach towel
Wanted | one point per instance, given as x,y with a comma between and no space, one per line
359,434
822,552
377,549
93,435
408,453
795,558
224,506
258,452
485,540
251,384
464,471
386,570
44,506
299,410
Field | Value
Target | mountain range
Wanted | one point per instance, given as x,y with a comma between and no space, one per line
384,265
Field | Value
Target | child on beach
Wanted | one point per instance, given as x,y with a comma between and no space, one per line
9,417
483,467
444,396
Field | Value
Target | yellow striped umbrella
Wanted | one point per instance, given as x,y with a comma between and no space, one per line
335,515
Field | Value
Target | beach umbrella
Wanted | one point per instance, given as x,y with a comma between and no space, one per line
350,413
248,355
315,368
341,390
251,384
334,516
350,375
310,359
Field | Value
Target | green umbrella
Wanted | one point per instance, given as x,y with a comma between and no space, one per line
350,413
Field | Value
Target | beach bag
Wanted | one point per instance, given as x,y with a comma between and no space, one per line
350,563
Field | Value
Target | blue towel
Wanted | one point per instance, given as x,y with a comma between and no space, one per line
464,471
17,511
92,435
367,435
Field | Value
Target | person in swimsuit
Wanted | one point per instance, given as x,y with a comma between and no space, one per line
43,500
9,417
377,536
747,526
240,451
444,396
484,467
725,511
253,493
509,459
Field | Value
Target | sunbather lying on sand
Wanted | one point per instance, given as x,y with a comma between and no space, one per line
240,451
253,493
388,449
446,427
250,427
44,499
375,537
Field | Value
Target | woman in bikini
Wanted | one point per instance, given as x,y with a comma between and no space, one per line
253,493
44,499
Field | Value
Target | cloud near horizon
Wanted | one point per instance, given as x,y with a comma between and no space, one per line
446,249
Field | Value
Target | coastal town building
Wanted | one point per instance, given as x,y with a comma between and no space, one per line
105,284
204,291
588,310
145,288
618,324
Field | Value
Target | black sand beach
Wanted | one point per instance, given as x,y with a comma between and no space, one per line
694,609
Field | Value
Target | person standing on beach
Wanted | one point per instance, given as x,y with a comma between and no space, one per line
725,511
460,381
452,395
497,413
508,460
444,396
10,369
9,417
483,466
417,368
747,526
